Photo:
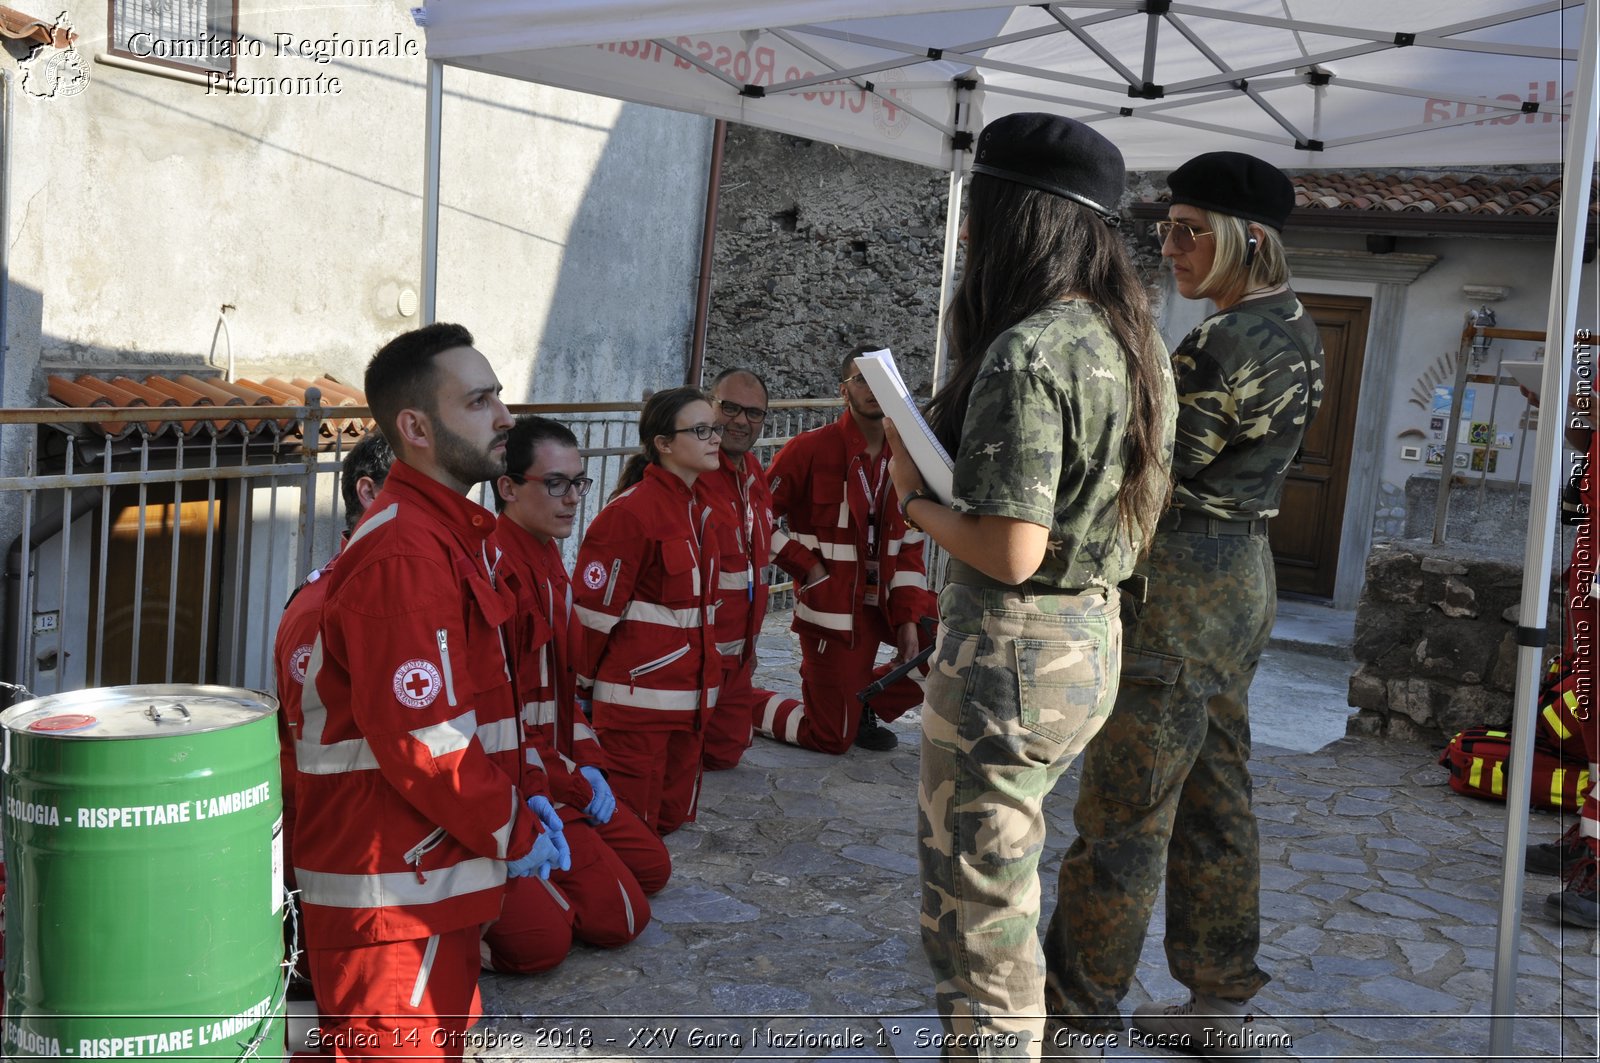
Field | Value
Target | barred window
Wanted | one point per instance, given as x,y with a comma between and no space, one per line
189,34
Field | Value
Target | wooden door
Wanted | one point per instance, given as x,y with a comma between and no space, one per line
1305,533
191,591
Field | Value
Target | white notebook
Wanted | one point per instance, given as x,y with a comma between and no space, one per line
922,446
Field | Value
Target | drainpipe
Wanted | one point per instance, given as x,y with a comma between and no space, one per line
6,433
5,225
708,246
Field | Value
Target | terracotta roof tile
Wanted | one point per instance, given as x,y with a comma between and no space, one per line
185,391
1517,194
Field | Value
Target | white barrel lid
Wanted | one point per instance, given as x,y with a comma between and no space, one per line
157,710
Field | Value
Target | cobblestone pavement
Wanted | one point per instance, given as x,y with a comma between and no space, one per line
789,929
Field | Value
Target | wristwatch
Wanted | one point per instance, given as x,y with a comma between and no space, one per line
905,504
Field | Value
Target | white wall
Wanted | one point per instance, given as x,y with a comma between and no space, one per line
570,225
1434,312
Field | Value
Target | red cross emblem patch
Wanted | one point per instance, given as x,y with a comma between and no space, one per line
298,662
417,683
594,575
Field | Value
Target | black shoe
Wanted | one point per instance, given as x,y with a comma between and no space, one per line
1577,905
1558,857
874,735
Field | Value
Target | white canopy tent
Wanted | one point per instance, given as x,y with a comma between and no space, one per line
1302,83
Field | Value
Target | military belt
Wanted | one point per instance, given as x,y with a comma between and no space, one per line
963,573
1182,520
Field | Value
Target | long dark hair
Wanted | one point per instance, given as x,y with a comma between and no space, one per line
1025,250
658,418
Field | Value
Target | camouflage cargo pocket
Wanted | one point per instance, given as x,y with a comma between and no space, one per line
1133,755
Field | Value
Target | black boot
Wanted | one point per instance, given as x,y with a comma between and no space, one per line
1558,857
874,735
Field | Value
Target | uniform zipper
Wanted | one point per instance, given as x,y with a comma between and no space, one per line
444,662
415,854
651,666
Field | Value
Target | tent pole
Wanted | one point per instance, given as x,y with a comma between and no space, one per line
1561,327
430,193
947,275
963,140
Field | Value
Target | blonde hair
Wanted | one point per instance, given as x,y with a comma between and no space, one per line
1229,275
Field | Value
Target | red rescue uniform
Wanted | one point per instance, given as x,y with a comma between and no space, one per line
841,505
748,542
608,884
410,746
645,594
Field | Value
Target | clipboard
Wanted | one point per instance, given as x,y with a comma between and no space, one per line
1529,374
922,446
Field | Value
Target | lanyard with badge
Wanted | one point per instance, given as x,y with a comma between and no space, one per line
747,547
873,498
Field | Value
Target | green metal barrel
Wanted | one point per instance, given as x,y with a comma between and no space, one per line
144,907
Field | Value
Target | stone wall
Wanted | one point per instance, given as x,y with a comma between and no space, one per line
820,249
1434,642
1493,517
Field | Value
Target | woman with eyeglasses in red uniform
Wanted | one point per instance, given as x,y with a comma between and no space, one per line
645,587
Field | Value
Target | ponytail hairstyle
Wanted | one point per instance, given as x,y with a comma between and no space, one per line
658,418
1026,249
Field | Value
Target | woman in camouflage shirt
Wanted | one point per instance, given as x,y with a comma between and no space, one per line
1060,413
1166,785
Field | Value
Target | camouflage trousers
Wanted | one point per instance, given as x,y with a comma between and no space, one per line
1018,685
1166,791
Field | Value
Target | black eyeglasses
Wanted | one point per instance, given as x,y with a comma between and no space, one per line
1182,235
753,414
558,486
701,431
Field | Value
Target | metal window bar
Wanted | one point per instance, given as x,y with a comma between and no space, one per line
68,476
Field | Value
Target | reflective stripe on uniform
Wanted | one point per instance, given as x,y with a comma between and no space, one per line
500,736
650,698
736,580
650,613
731,649
353,754
374,521
539,713
424,970
831,621
533,759
627,905
392,888
452,736
550,886
596,621
903,578
830,551
502,836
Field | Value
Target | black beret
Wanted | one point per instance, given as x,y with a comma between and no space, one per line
1057,155
1236,184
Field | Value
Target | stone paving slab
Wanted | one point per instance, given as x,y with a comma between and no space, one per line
789,929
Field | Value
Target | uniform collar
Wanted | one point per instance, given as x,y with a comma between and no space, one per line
670,480
855,442
521,543
460,514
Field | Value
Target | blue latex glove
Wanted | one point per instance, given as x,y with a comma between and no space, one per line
605,802
546,854
553,836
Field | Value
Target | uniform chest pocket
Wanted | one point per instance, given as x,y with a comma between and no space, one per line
827,489
680,571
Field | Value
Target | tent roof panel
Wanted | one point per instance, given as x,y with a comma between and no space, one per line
1403,105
